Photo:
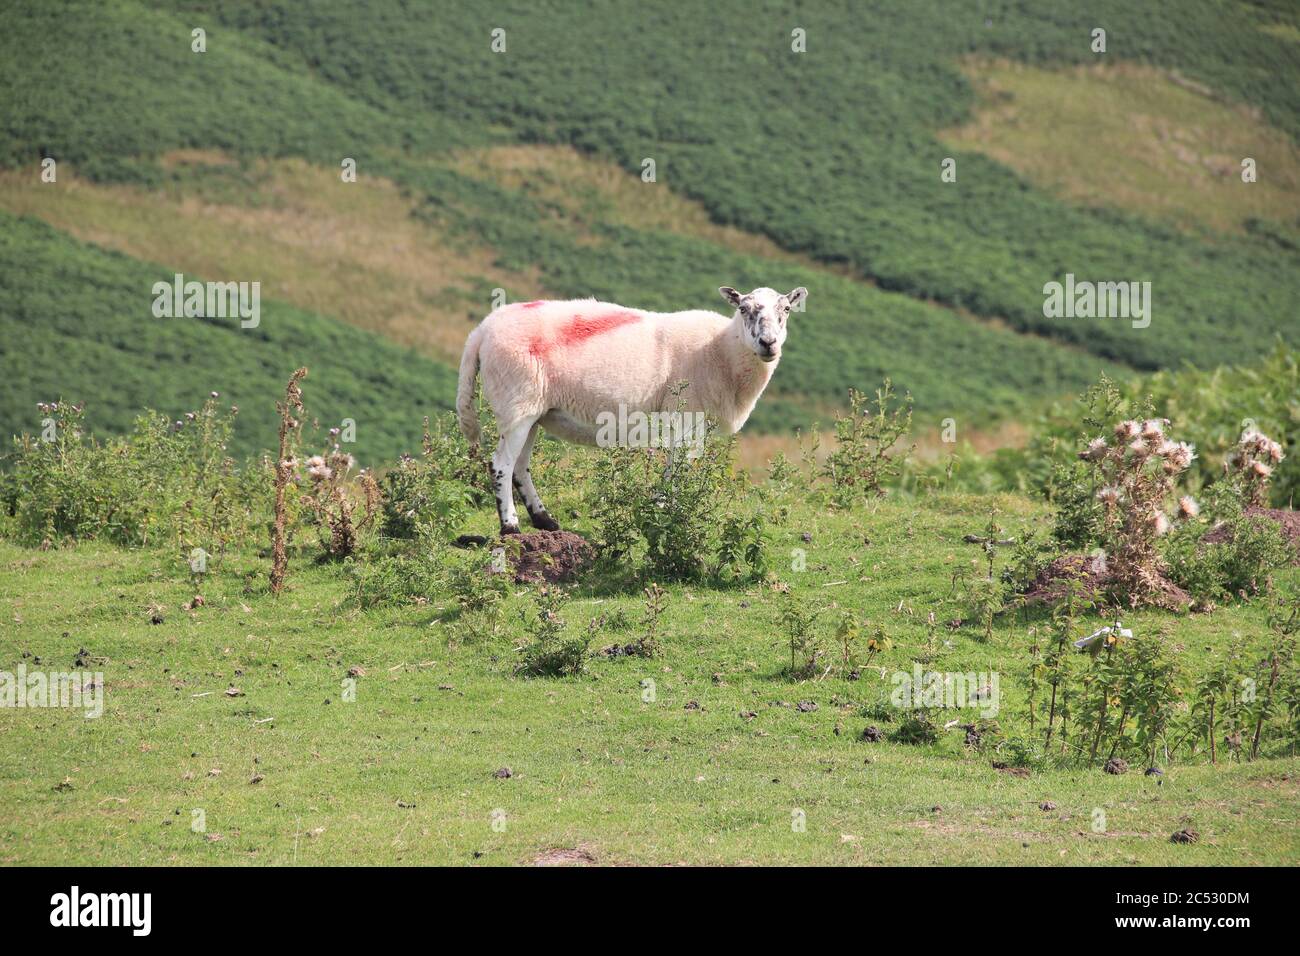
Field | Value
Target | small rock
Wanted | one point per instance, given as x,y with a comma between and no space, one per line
806,537
805,706
356,671
748,714
1116,765
1047,806
691,705
257,778
873,735
504,773
1185,836
233,691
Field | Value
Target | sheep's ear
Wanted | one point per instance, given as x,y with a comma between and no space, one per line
731,295
796,298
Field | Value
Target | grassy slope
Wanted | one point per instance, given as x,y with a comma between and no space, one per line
595,767
354,251
350,251
76,323
1133,137
844,183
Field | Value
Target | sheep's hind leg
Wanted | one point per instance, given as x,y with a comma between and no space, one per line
537,513
508,450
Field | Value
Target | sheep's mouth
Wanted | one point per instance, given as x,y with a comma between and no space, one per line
770,355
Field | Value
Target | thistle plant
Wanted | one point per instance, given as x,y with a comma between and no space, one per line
285,464
548,653
333,501
864,458
1138,474
1251,463
798,620
656,600
986,593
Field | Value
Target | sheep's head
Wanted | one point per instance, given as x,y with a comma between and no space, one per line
762,316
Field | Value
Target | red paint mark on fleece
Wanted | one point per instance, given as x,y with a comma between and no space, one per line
533,305
579,329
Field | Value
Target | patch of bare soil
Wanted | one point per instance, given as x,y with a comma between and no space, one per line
1288,522
1094,582
549,556
563,856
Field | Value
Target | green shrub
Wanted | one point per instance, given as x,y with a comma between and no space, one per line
439,487
864,459
164,482
798,620
670,509
548,653
397,579
1247,549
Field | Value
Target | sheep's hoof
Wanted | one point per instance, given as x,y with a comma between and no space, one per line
543,521
509,529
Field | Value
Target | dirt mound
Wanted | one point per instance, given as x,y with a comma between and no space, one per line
549,556
1287,520
1051,583
564,856
1095,583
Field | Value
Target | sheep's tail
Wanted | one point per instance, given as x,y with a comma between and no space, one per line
465,410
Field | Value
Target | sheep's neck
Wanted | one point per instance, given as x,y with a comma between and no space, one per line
749,376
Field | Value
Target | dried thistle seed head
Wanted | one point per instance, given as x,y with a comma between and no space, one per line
1108,495
1183,456
1095,451
1187,507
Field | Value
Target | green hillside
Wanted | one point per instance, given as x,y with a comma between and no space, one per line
831,155
833,152
76,323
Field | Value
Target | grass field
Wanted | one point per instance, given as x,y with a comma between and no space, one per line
291,772
646,153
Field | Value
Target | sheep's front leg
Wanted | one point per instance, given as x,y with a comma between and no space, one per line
508,450
537,513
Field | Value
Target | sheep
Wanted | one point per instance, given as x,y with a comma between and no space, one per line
563,365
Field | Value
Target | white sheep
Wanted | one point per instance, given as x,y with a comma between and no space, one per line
565,365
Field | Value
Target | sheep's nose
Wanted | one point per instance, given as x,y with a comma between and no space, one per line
766,342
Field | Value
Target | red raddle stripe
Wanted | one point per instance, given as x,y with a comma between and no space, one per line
580,328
